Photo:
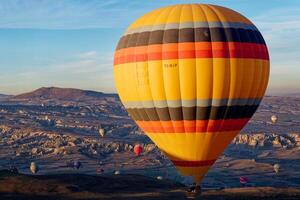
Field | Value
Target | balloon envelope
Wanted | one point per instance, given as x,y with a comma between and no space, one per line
99,171
243,180
101,132
276,168
191,76
34,168
77,164
138,149
274,119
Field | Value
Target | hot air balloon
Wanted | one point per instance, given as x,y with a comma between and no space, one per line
34,167
101,132
243,180
99,170
276,168
274,119
77,164
191,76
138,149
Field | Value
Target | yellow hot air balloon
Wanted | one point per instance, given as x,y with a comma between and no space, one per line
276,168
274,119
34,167
101,132
191,76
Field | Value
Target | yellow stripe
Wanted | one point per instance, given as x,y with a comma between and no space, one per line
187,13
201,78
212,144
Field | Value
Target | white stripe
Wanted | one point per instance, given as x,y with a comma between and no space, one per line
190,25
192,103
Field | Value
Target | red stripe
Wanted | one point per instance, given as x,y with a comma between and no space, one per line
192,126
200,163
220,50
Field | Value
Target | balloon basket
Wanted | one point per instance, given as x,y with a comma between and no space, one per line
193,192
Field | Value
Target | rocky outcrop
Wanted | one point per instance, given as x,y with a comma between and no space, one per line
149,148
272,140
4,129
38,143
296,138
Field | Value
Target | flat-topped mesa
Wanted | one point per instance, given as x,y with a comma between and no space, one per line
61,93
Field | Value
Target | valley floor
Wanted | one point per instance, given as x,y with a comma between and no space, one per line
120,187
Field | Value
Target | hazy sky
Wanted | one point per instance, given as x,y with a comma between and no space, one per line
71,43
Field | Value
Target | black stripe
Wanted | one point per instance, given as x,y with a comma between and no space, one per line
191,35
192,113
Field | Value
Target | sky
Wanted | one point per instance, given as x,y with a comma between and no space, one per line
70,43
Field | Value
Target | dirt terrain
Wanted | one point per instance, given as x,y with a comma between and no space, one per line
120,187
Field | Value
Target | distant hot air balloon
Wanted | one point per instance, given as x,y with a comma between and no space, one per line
276,168
138,149
191,76
243,180
34,167
101,132
274,119
99,170
77,164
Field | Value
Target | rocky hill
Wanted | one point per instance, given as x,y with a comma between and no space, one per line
4,96
67,94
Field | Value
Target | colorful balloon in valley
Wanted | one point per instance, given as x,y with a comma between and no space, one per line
138,149
276,168
101,132
34,168
77,164
191,76
243,180
274,119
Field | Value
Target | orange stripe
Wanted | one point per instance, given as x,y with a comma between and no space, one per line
192,126
191,50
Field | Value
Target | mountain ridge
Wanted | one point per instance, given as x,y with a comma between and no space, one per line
4,96
62,94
